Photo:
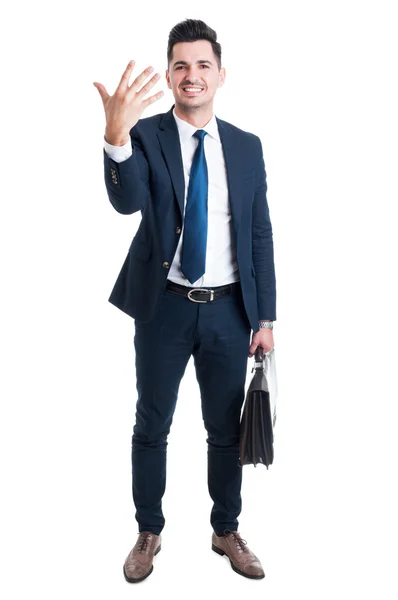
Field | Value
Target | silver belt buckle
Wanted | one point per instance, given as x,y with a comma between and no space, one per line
202,291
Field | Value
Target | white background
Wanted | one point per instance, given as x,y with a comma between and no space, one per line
317,82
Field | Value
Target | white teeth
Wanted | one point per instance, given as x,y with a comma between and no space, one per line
192,89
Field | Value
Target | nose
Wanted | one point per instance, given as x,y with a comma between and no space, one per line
192,73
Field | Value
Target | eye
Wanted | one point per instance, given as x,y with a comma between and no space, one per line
206,66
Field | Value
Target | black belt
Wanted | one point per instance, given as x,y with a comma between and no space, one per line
200,294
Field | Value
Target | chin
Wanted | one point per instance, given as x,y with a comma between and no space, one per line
192,103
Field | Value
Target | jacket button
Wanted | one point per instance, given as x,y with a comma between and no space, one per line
178,230
166,265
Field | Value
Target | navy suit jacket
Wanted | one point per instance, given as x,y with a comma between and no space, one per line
152,181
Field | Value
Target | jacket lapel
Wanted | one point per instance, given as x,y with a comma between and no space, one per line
171,148
233,165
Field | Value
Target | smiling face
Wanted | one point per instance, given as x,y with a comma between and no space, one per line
194,76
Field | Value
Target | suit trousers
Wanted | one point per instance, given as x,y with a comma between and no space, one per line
217,334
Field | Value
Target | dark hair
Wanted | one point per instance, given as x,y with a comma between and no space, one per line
192,30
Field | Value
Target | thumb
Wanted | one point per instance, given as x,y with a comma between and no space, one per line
102,91
252,349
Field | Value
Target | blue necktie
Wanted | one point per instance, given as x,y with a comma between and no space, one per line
193,261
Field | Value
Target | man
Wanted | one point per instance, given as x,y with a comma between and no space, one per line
198,277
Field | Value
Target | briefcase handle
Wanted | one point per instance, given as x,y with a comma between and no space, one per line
259,354
259,358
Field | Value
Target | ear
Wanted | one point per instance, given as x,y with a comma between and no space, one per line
168,79
222,77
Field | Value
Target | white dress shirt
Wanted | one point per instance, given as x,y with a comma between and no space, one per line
221,264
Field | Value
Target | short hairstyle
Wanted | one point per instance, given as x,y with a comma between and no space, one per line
192,30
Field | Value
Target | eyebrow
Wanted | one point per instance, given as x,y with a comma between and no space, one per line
183,62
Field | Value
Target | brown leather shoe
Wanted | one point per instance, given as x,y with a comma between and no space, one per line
138,565
242,560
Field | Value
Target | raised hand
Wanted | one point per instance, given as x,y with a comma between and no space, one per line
124,109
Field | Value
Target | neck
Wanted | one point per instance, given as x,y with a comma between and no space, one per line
198,117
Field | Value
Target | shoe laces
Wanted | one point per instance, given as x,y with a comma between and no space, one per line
142,542
239,541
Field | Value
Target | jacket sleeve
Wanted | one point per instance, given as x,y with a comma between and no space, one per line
127,182
262,243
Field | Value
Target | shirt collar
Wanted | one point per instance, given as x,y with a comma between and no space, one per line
186,130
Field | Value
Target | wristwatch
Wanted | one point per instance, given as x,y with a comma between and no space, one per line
266,324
